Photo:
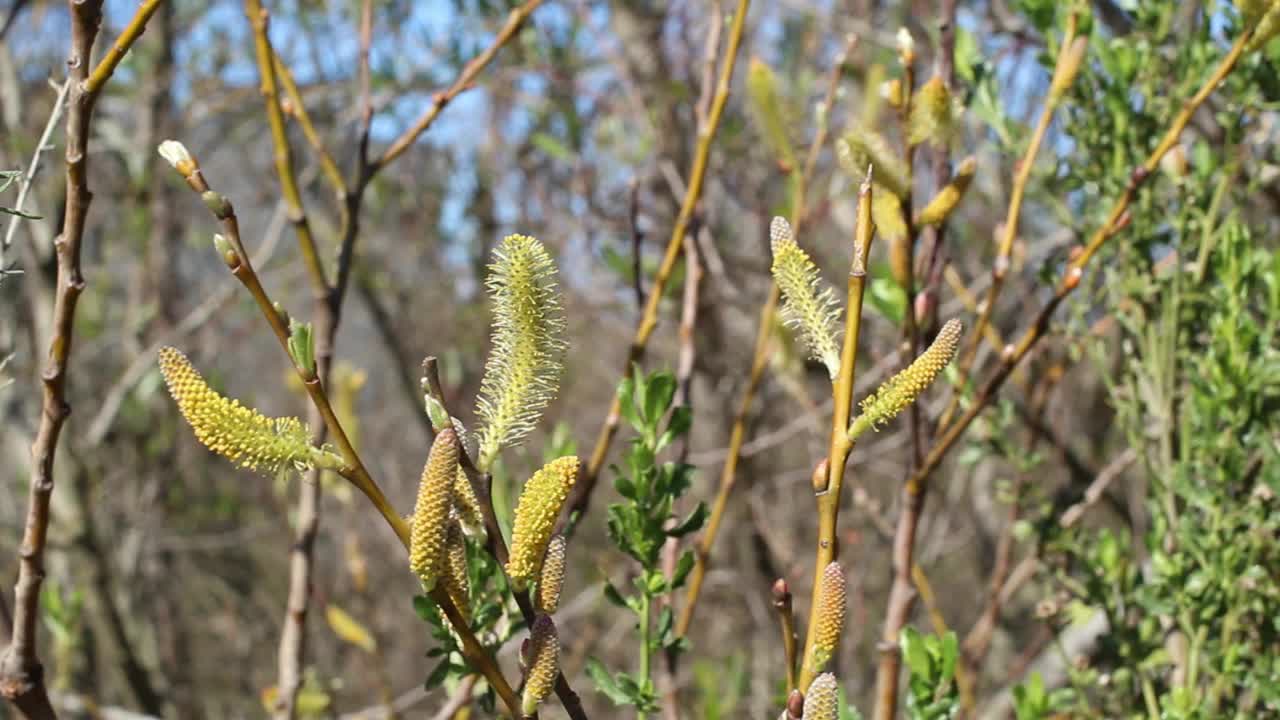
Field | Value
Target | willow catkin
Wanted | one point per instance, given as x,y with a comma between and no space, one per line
829,620
523,371
542,666
899,391
431,513
822,701
241,434
808,307
454,575
535,518
551,579
467,506
942,204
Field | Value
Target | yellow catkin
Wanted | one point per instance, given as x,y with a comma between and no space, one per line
467,506
902,389
808,307
522,374
542,664
1064,74
551,579
830,616
862,148
430,526
454,577
822,701
933,114
767,111
241,434
535,517
942,204
886,213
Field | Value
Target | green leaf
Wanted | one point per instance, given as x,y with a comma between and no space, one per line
683,566
606,683
658,395
915,652
612,595
692,523
438,675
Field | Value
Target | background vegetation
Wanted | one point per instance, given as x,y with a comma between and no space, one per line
1086,499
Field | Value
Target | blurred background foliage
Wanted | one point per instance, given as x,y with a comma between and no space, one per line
1149,416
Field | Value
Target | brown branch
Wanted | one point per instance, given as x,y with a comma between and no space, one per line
581,495
902,594
21,673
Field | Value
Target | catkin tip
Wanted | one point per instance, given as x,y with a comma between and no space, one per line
543,664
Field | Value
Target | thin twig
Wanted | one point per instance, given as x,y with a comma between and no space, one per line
21,673
581,495
24,185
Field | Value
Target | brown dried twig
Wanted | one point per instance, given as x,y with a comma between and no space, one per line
21,673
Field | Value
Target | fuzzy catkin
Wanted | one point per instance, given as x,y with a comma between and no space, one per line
863,147
454,577
535,517
822,701
551,579
431,513
808,306
467,506
942,204
543,664
829,621
523,371
899,391
933,114
241,434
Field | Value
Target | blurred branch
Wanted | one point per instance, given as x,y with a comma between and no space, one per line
1009,233
581,495
21,673
760,356
515,19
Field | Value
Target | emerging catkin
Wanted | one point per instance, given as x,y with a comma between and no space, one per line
767,111
551,579
942,204
430,526
829,620
522,374
862,147
241,434
454,577
542,658
899,391
808,306
535,517
933,114
466,505
822,701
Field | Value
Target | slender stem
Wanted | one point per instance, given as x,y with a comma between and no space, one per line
328,166
902,594
759,361
646,651
107,65
21,673
828,489
787,622
582,490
